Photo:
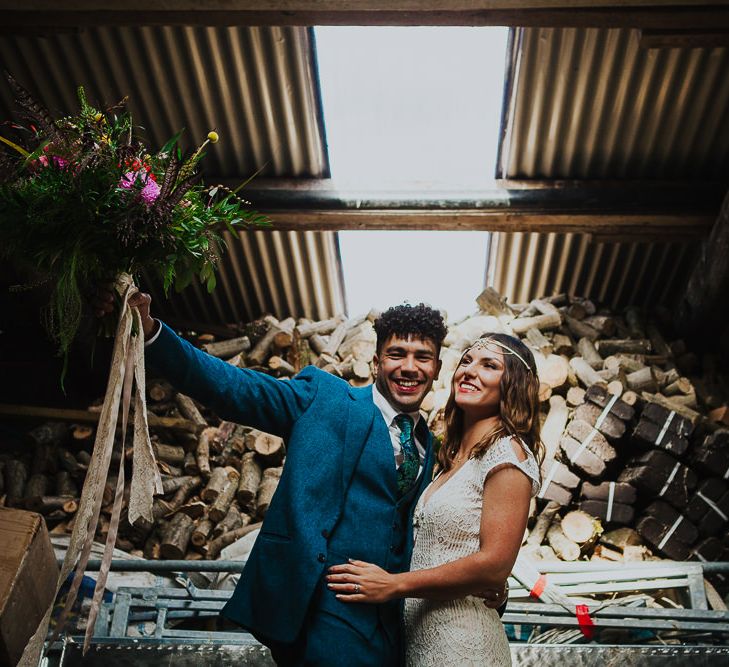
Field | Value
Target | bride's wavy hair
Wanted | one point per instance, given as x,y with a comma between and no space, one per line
518,408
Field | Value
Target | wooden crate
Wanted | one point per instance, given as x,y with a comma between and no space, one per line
28,576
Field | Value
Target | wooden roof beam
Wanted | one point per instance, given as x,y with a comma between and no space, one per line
614,211
645,14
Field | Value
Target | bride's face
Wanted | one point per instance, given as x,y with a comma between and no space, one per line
477,381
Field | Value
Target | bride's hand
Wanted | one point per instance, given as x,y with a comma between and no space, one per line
358,581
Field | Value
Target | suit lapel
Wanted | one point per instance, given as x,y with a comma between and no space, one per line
359,423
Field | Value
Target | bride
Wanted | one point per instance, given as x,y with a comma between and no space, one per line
470,521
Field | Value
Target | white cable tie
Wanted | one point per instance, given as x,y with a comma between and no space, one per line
594,431
666,537
606,411
713,505
666,424
548,479
670,478
700,557
611,495
583,445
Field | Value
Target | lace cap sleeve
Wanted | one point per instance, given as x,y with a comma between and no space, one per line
501,454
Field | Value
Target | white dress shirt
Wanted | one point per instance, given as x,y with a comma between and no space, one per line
388,414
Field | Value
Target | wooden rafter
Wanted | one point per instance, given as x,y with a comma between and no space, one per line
647,14
613,211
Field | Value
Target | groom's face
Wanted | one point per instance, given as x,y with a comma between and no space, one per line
405,370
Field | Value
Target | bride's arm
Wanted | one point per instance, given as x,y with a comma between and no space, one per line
505,510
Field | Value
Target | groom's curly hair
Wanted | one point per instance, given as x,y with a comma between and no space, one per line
421,322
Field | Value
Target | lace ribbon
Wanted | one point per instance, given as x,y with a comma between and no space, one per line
127,366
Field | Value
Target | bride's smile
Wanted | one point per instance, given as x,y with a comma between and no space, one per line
477,380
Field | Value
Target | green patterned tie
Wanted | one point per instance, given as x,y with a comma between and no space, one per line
408,471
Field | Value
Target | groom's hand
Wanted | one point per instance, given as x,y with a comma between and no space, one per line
103,304
495,598
143,301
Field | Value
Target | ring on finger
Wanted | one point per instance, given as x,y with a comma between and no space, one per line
356,588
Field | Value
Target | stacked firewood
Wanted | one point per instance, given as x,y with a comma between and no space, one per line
218,479
634,427
47,477
634,435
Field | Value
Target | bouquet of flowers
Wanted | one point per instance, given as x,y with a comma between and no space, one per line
82,200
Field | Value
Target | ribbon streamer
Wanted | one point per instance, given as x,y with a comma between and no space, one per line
127,364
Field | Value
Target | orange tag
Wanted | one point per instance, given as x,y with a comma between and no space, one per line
539,586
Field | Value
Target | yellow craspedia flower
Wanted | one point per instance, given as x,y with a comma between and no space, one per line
213,137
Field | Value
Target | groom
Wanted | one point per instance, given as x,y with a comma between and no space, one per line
357,461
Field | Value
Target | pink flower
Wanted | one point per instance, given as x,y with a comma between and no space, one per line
149,192
127,180
56,161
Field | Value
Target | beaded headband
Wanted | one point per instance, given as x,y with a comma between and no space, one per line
485,343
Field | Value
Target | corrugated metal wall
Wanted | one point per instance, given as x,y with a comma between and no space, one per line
258,88
284,273
591,104
527,265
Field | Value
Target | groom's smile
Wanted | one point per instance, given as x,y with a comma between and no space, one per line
406,368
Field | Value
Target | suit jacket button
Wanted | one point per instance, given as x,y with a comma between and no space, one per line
321,558
392,548
325,534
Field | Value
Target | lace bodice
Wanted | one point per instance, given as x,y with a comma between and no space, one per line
447,524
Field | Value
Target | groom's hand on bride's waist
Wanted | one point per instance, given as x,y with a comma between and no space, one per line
495,598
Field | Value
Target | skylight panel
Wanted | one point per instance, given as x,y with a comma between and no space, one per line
411,104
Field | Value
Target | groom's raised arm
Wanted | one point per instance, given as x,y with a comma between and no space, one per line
236,394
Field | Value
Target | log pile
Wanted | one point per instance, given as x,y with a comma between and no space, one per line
635,434
634,427
218,479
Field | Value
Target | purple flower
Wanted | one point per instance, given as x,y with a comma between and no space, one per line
149,192
127,180
56,161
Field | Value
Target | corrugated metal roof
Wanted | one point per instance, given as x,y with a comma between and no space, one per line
284,273
593,104
524,266
258,88
590,103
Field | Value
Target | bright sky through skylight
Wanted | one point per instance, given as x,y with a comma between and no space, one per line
411,104
408,107
443,269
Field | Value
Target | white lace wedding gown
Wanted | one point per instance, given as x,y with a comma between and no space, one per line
447,525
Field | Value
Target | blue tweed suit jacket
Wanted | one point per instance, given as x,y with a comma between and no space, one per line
325,423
